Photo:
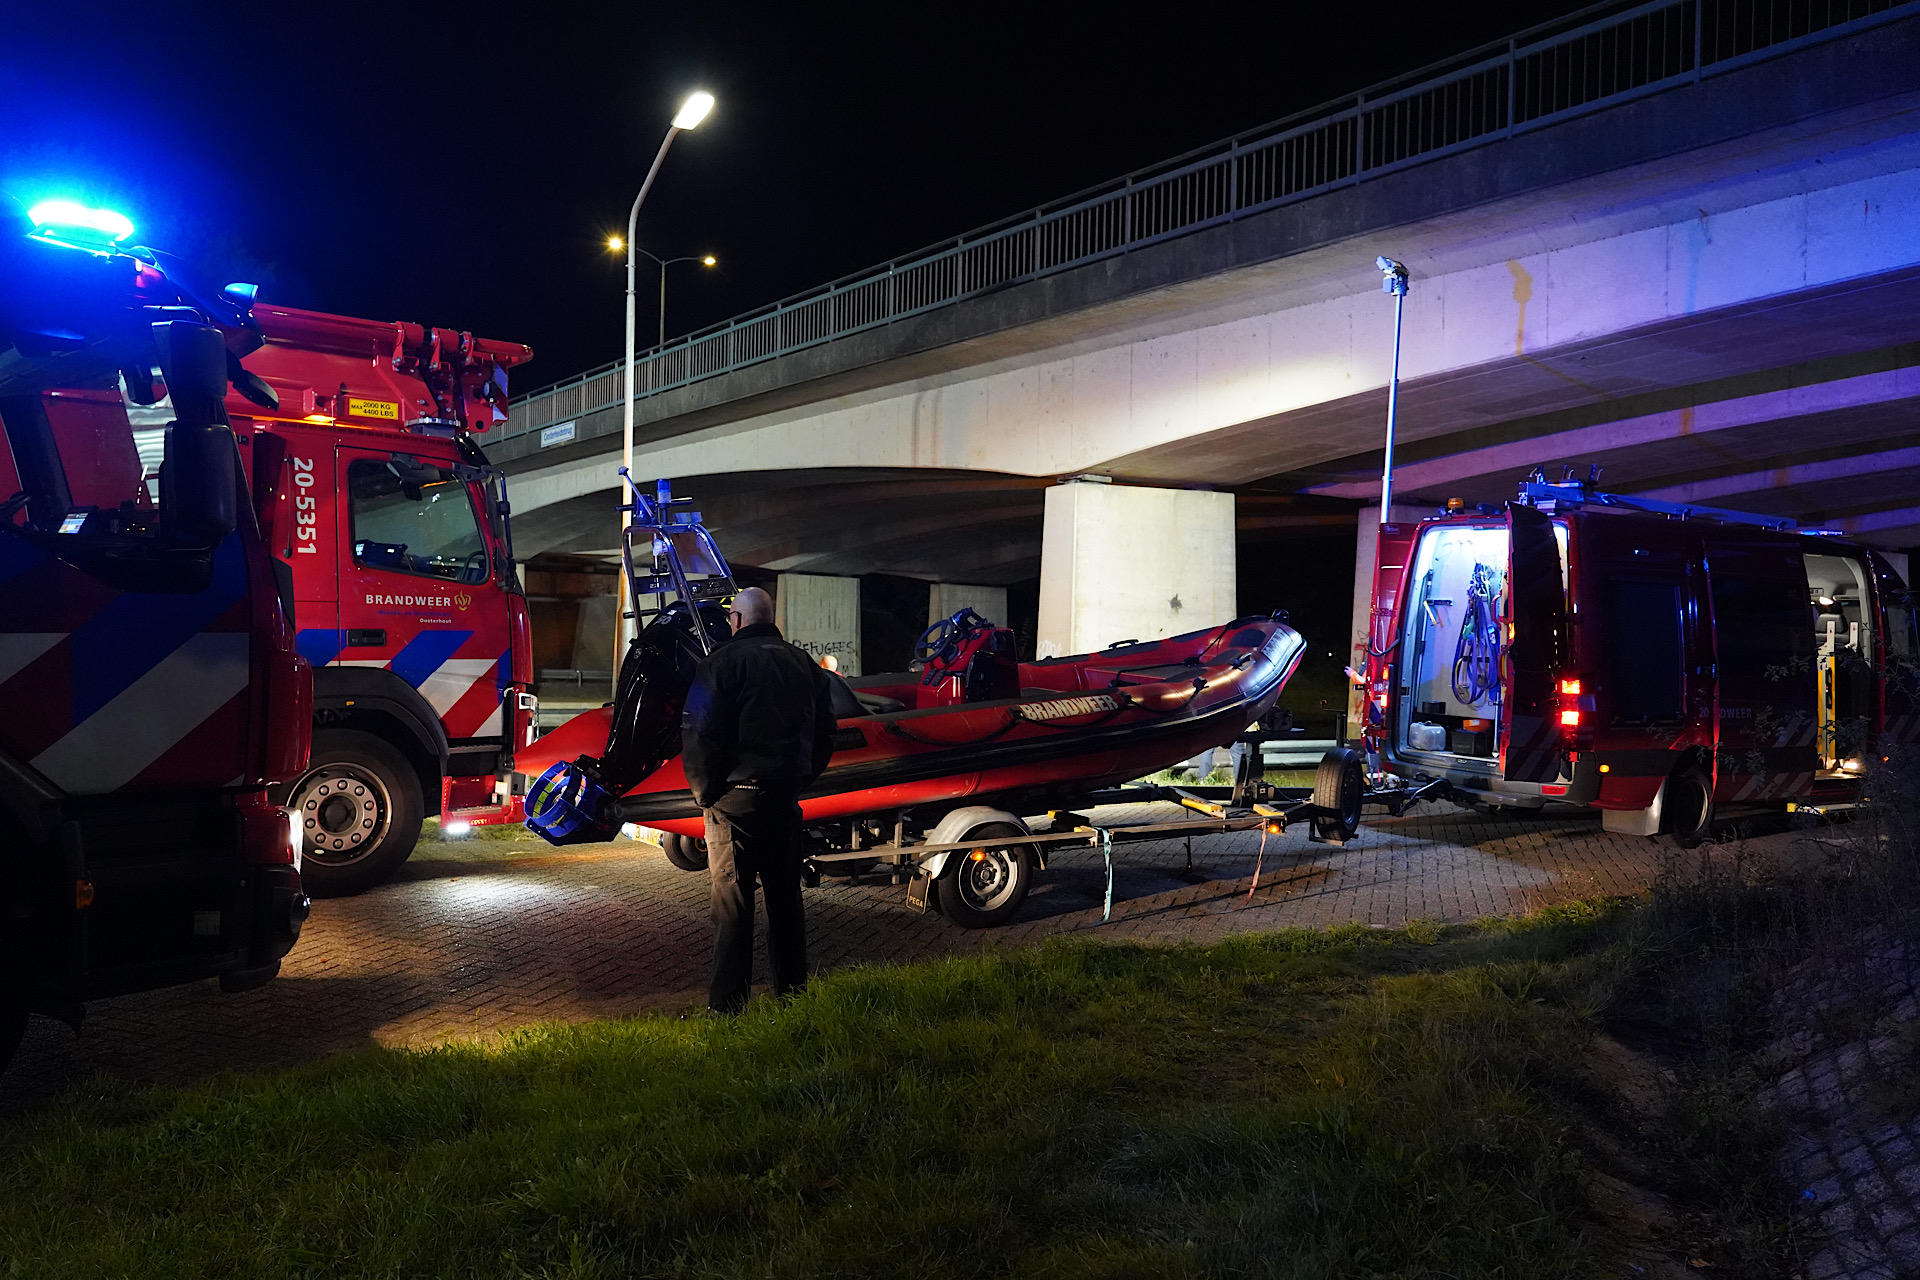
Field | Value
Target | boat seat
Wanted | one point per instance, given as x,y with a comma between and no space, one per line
849,703
878,704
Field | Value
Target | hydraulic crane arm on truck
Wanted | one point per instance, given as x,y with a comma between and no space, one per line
407,601
151,687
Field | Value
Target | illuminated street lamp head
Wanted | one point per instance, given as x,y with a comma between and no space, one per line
616,243
72,222
693,110
709,261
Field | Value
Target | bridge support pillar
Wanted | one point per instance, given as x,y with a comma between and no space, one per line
1118,562
821,614
944,599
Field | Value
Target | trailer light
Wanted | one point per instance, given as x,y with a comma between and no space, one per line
1570,687
1571,719
1276,828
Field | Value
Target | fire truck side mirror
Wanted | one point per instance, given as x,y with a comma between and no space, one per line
199,468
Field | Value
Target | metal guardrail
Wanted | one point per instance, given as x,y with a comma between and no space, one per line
1594,59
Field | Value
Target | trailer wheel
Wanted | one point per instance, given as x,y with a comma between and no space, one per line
359,807
684,852
1338,788
1688,806
984,886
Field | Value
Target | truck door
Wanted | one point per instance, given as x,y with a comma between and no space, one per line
1531,739
1763,663
305,540
416,593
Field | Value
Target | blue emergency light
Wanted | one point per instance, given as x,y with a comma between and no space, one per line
70,222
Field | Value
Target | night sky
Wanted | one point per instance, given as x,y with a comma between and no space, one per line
462,164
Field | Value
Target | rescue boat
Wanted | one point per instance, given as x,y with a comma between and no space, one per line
973,724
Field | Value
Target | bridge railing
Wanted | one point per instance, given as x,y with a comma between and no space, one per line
1593,60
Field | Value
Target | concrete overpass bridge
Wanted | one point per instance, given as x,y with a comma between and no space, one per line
1676,239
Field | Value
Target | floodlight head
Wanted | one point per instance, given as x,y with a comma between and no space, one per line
693,110
1393,276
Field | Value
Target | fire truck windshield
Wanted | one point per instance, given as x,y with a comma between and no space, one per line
415,517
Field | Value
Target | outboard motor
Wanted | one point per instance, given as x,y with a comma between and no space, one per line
572,802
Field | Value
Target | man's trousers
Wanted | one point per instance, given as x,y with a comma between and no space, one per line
754,835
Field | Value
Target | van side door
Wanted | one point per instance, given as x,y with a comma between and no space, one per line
1763,661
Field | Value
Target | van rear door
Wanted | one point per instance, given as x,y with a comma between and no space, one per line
1530,740
1763,659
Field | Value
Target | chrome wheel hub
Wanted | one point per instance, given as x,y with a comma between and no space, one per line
987,878
344,812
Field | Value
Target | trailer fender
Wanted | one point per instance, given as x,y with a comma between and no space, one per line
954,828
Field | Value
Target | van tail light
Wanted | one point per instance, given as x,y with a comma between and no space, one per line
1570,688
1570,718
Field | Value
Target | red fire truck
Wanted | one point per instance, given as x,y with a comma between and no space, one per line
1654,661
405,592
150,687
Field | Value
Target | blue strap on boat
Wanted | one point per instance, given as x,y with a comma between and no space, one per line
562,802
1106,851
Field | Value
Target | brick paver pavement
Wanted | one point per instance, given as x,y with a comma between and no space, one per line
482,936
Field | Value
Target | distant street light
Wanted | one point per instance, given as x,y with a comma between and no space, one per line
691,113
704,259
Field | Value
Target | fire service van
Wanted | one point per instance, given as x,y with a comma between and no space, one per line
406,597
1653,661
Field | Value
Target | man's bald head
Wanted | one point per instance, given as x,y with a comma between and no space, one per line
754,606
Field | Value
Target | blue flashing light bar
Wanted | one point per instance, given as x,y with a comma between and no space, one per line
71,220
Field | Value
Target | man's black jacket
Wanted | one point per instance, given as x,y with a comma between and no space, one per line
759,711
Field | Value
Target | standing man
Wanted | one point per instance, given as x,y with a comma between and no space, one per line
757,729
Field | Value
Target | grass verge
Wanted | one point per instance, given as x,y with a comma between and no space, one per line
1357,1103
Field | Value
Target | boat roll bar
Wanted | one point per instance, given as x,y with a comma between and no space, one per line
680,556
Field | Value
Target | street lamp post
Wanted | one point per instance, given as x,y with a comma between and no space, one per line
691,113
704,259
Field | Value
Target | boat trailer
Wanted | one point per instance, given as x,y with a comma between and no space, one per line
1331,808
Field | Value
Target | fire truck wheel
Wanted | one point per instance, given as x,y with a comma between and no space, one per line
984,886
684,852
1688,806
359,807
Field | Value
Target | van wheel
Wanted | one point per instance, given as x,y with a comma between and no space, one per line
985,886
1688,806
684,852
359,807
1338,786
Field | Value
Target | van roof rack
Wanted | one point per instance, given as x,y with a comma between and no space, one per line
1537,491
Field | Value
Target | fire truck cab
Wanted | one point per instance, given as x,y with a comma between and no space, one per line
1653,661
150,693
406,597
